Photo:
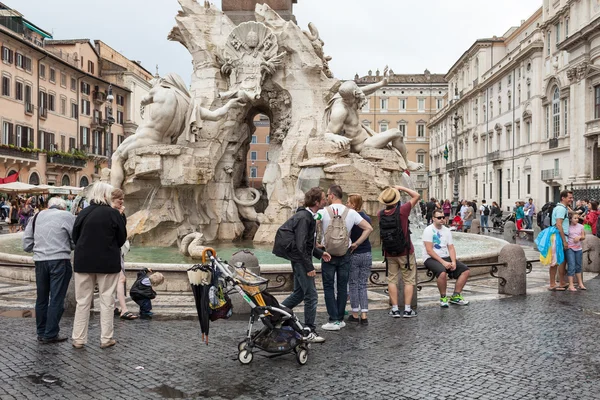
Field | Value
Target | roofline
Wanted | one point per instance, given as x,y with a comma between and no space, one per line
43,30
475,44
48,54
533,16
75,41
112,48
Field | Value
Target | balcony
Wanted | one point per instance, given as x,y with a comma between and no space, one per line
18,152
67,161
97,121
43,111
421,185
29,108
493,156
551,174
99,97
553,143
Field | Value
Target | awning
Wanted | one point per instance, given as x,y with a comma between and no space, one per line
37,30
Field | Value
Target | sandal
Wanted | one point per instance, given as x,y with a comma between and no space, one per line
129,316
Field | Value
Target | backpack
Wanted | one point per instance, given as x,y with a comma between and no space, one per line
486,210
544,217
336,235
285,238
392,237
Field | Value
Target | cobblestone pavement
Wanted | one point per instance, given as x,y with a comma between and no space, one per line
541,346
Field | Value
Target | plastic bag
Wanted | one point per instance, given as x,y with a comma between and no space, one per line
587,228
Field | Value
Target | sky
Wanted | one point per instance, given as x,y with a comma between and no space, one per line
407,35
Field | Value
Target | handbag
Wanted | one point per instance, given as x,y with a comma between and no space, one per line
220,306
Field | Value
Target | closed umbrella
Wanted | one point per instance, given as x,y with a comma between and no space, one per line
200,280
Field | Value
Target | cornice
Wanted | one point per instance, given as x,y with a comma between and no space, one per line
580,36
559,14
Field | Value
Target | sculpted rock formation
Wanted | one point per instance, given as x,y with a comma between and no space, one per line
187,185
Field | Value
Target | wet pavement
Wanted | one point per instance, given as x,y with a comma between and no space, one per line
540,346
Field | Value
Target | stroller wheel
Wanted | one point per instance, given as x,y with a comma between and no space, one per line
242,345
302,356
245,357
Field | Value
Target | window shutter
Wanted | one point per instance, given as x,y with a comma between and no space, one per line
10,56
39,139
11,135
87,136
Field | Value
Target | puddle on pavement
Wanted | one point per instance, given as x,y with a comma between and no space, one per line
44,379
169,392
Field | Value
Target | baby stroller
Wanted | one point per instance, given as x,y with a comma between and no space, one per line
499,221
281,333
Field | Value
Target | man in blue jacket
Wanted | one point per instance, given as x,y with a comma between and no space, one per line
295,241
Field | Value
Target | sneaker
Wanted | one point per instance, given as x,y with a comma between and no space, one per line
364,321
395,314
342,324
458,300
55,339
331,326
313,337
352,318
409,314
444,302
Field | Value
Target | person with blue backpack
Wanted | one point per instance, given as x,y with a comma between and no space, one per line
560,220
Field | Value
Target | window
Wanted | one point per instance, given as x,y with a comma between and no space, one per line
51,102
421,105
85,107
509,101
42,71
91,67
557,28
62,142
120,100
547,122
421,130
402,104
84,182
383,126
518,136
84,138
556,165
74,110
548,44
120,117
499,106
7,55
528,184
63,79
73,84
28,95
253,155
565,117
268,139
528,90
120,139
72,144
402,129
63,106
421,158
5,86
52,75
7,132
254,139
556,113
439,104
528,131
253,172
19,60
384,104
85,88
97,142
19,91
66,181
566,32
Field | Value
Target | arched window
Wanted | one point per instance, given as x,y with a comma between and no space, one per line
83,182
66,181
556,112
11,173
34,179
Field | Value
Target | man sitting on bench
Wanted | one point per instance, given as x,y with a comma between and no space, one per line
439,256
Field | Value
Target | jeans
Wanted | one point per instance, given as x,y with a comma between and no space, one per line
52,280
574,261
304,290
340,267
484,221
528,222
145,306
359,277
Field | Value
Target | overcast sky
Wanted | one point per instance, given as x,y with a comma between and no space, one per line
407,35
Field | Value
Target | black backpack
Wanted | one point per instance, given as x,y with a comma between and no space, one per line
545,212
392,237
486,210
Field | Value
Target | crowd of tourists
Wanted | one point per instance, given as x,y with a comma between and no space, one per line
338,234
97,235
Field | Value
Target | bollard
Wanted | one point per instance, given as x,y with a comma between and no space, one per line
515,271
510,232
591,260
536,232
475,227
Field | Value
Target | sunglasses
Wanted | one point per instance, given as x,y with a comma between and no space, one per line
439,217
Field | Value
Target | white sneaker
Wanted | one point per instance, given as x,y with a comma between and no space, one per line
331,326
314,338
342,324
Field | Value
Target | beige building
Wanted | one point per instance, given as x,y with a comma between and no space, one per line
54,114
258,155
407,103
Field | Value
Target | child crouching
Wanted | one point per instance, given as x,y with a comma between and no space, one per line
142,293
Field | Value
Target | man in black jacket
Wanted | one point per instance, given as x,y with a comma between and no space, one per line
295,241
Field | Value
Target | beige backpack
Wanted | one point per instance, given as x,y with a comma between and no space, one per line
336,235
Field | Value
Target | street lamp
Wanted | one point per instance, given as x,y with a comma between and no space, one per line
109,121
456,119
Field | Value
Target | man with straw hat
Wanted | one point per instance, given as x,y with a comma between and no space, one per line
397,246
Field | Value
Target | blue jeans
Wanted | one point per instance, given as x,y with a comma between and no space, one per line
52,280
484,221
304,290
528,222
340,267
574,261
145,306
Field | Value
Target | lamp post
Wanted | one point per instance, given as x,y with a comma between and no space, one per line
109,121
456,119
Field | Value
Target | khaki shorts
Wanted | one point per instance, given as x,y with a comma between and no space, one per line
397,264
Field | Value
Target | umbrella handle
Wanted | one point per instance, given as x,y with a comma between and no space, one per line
205,251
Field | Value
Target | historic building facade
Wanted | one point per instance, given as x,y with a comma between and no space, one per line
54,114
407,103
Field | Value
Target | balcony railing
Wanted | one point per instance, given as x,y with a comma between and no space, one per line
99,97
551,174
17,152
553,143
43,112
421,185
76,162
29,108
97,120
493,156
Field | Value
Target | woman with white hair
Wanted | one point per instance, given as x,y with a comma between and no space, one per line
99,233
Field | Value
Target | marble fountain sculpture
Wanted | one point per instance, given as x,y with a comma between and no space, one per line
184,171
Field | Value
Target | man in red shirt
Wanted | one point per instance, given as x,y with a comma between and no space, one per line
400,256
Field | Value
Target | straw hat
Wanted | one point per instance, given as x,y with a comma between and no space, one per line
389,196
